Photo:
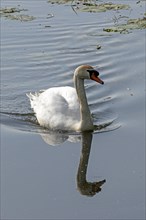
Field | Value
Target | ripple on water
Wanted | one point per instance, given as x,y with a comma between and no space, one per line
40,58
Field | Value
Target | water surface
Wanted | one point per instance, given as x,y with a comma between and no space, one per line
40,175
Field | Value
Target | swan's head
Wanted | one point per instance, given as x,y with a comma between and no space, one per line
88,72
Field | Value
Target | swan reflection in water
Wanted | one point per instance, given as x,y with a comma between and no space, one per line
84,187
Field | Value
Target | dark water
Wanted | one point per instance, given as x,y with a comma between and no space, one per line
43,173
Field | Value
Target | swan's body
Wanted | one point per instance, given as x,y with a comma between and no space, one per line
57,108
65,108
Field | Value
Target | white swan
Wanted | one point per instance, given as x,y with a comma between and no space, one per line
66,108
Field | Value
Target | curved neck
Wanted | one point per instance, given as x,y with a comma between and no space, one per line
86,121
85,187
84,158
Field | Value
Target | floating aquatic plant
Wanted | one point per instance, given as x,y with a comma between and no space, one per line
14,14
91,5
131,24
103,7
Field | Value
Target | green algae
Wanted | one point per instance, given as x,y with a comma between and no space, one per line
4,11
91,6
14,14
103,7
60,1
21,17
131,24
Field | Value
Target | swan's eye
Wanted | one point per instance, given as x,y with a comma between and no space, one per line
93,72
94,76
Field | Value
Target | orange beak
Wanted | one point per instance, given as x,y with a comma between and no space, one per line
97,79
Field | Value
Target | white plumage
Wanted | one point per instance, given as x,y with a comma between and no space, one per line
65,108
56,108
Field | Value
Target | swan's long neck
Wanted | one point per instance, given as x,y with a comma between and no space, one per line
86,121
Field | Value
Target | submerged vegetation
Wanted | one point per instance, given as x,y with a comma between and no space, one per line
103,7
131,24
91,6
14,14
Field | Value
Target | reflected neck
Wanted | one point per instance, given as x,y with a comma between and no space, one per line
84,159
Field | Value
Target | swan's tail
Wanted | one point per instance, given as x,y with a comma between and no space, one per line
33,99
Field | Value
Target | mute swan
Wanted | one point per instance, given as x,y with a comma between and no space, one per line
66,108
